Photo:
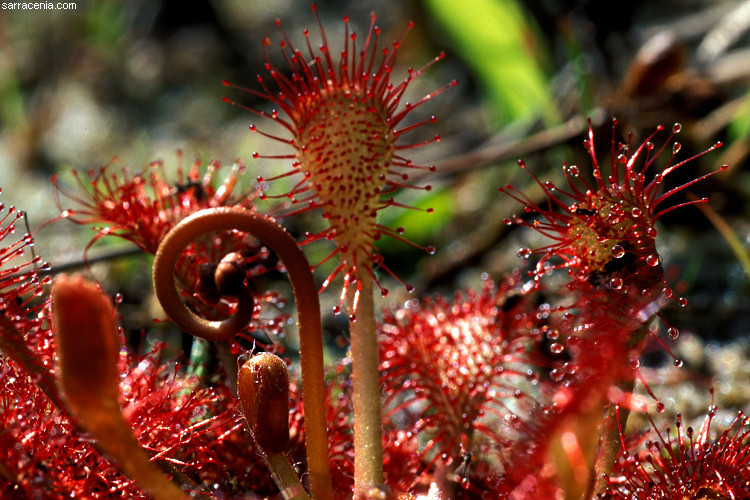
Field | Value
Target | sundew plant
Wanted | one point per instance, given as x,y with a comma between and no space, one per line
495,250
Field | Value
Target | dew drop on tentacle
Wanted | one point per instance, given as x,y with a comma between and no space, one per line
618,251
556,348
234,346
556,374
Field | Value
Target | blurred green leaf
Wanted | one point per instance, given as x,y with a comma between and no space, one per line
739,128
419,225
501,45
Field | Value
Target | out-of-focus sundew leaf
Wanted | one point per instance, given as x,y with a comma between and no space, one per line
500,44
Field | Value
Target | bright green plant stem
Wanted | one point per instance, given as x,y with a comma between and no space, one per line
308,313
368,446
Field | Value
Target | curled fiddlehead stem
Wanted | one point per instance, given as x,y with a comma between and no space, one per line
308,312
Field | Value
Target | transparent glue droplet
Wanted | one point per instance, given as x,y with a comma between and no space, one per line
615,283
678,363
660,407
682,301
676,147
571,368
652,260
618,251
573,170
676,128
556,374
673,333
556,348
523,252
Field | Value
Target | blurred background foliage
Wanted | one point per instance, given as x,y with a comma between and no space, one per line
140,79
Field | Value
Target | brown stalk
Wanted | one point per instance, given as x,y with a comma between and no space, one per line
88,349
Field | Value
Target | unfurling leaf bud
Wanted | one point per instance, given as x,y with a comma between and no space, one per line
263,386
88,348
205,285
230,274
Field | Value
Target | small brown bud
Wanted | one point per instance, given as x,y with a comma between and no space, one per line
230,274
263,386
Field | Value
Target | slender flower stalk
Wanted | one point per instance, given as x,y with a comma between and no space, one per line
368,447
345,119
308,311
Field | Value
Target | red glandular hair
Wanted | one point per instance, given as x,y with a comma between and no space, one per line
686,464
603,235
345,117
143,207
194,430
23,336
43,454
460,376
